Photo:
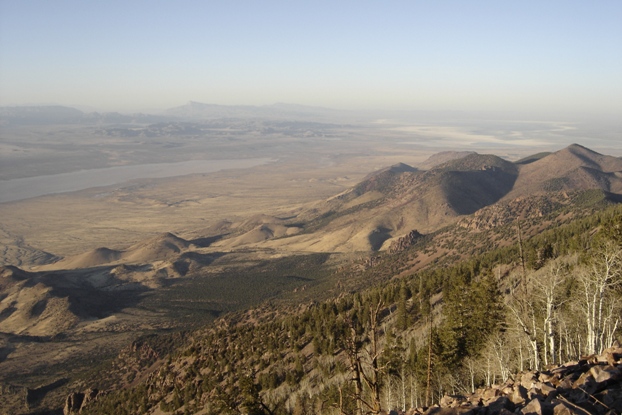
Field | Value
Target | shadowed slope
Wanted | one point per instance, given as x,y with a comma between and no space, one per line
159,248
443,157
392,202
48,303
572,168
162,247
98,256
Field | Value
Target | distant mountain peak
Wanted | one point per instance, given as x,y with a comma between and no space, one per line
475,161
401,168
572,168
580,151
575,146
443,157
382,179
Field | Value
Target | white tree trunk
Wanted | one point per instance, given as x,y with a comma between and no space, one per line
597,282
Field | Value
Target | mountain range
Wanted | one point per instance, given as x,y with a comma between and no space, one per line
443,204
385,207
391,202
192,111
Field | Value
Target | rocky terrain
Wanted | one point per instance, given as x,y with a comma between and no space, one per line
592,385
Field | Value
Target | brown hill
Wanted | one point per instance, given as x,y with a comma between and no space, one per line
387,205
96,257
29,306
159,248
261,233
572,168
46,303
442,157
394,201
382,179
11,275
390,203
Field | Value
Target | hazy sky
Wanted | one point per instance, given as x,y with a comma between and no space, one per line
459,55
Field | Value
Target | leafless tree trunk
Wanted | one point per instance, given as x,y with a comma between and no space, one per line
353,352
611,323
524,315
427,388
499,348
366,372
471,366
597,282
403,379
414,392
547,285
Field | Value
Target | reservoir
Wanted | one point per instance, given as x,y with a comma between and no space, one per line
28,187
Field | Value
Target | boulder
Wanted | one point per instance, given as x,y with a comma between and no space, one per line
450,401
528,379
537,407
604,373
545,376
613,355
566,382
534,393
519,395
562,409
545,389
586,383
89,396
577,395
588,387
612,398
77,401
502,402
73,403
491,393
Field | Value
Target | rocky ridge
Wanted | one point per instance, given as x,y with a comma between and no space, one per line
592,385
405,242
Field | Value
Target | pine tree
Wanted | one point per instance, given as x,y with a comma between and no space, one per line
403,319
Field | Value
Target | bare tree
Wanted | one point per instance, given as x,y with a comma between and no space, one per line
548,284
523,309
598,280
471,365
364,364
500,348
414,391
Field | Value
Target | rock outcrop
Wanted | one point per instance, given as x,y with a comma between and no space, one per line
78,400
590,386
405,242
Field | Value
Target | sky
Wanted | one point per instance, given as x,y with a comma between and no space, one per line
538,56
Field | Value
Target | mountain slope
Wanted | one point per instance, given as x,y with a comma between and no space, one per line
572,168
306,357
368,215
164,247
393,201
159,248
93,258
442,157
29,306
